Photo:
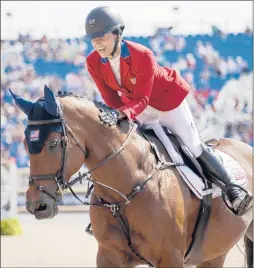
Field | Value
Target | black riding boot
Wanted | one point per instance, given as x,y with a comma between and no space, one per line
217,174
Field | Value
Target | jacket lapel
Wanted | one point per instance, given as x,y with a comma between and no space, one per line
108,74
124,60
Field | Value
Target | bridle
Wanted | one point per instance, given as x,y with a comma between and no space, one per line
59,177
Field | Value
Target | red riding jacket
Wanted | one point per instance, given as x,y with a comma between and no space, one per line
143,81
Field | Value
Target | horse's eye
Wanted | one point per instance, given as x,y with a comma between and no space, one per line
52,145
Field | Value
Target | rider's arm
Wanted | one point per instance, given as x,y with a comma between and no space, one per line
145,65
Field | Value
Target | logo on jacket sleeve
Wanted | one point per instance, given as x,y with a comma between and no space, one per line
133,80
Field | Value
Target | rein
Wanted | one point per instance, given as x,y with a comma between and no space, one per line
115,208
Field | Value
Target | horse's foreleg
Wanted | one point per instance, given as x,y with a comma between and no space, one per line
113,258
217,262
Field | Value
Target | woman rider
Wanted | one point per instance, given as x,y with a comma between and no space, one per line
130,81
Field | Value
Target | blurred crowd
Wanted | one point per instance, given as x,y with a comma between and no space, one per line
19,72
225,113
198,60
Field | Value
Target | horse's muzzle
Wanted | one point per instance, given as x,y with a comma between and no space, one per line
42,210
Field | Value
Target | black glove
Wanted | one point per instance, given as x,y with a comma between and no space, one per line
109,117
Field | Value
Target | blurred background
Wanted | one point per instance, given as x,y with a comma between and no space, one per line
209,43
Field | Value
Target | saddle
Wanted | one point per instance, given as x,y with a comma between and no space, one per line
191,171
179,147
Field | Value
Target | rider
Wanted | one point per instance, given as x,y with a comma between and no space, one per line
130,81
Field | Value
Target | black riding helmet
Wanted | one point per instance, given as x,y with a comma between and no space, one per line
102,20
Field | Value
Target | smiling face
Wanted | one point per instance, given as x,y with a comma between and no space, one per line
104,45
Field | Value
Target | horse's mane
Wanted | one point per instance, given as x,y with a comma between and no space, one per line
63,94
124,125
98,104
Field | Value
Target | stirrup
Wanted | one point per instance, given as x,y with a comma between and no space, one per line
244,206
241,210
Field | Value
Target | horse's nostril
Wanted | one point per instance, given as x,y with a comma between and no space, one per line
40,206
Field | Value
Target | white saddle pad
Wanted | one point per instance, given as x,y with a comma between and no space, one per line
194,181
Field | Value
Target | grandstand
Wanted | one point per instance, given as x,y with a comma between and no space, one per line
207,62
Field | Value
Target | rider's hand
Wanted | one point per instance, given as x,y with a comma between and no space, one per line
109,117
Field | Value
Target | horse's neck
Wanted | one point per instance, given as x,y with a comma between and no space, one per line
120,172
123,171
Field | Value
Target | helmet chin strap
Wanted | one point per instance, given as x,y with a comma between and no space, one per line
116,45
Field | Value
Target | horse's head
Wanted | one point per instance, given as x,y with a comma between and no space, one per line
51,153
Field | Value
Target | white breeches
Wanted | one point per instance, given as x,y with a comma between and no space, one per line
179,121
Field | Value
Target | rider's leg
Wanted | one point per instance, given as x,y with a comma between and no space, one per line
181,122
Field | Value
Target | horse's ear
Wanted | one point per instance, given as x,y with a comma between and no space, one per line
24,105
50,101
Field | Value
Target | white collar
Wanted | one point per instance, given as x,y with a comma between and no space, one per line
115,59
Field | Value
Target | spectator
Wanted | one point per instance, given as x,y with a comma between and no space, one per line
242,64
232,66
204,78
191,61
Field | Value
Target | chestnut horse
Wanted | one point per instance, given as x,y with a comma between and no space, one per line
64,132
